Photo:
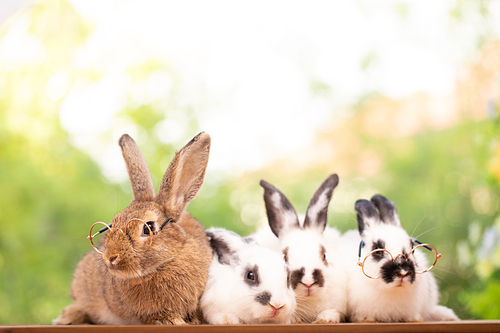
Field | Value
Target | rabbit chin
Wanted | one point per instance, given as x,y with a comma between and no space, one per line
272,316
401,282
126,273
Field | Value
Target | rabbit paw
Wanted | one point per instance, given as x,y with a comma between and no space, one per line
225,319
356,318
327,317
166,318
442,313
72,315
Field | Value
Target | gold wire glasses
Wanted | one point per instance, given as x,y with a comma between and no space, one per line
426,260
145,228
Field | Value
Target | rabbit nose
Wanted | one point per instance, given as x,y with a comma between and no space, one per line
112,259
277,306
308,286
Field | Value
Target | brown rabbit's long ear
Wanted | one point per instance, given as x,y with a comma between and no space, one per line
138,172
185,175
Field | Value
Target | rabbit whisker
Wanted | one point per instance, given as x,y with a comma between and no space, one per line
244,296
423,233
414,229
441,278
444,270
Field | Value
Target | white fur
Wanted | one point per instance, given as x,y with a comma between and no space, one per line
309,247
228,299
373,300
327,303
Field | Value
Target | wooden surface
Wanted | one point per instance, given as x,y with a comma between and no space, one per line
460,326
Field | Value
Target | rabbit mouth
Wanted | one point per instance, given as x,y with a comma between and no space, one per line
125,272
400,281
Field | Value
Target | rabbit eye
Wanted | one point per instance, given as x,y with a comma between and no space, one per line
251,276
151,226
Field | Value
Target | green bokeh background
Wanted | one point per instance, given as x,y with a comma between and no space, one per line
443,181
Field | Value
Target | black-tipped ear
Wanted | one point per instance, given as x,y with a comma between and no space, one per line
387,210
225,244
280,213
316,214
366,214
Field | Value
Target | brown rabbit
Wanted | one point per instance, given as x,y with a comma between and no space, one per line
155,256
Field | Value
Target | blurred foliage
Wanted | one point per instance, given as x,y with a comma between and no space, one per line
443,177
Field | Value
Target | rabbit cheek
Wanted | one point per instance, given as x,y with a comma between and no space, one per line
296,277
120,259
318,277
263,298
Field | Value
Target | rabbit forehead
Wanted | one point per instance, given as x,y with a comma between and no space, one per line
271,267
395,238
303,248
264,258
146,211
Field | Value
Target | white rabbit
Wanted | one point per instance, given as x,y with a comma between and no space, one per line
247,283
398,289
316,275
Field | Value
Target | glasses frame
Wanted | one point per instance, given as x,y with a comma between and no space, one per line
106,227
420,244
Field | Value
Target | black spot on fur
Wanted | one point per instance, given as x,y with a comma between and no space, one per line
285,254
220,247
393,270
297,276
263,298
377,256
251,276
322,255
380,244
318,277
288,278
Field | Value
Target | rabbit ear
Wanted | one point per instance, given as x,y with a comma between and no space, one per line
387,210
184,176
280,213
226,245
138,172
316,215
367,215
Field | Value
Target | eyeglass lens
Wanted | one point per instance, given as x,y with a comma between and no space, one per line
139,232
423,258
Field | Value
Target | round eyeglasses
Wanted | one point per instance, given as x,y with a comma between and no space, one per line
146,229
424,260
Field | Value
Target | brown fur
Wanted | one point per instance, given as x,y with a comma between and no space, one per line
162,285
